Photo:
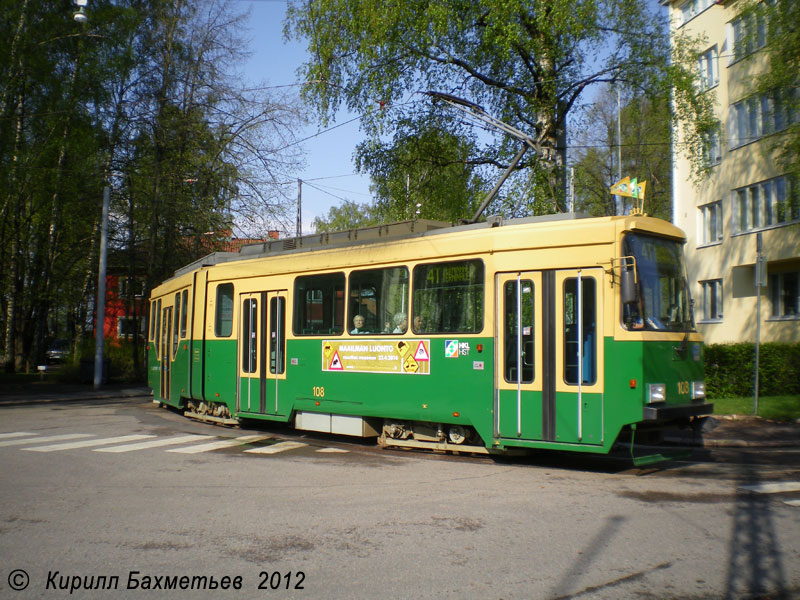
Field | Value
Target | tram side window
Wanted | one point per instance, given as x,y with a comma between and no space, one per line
448,297
158,330
184,310
175,326
223,321
319,304
588,346
153,311
380,298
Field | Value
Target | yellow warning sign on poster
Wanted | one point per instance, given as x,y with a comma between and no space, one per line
377,356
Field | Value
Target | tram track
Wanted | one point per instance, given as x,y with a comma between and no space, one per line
718,463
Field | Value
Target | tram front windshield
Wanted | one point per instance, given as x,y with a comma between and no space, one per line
662,293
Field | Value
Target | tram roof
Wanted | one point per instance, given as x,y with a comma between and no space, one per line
382,233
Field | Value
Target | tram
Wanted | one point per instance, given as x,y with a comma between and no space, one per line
560,332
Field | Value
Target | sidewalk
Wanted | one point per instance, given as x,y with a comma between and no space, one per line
738,431
721,431
14,394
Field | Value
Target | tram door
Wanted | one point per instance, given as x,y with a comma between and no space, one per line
262,352
165,351
549,341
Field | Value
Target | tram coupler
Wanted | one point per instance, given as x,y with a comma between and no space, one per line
649,459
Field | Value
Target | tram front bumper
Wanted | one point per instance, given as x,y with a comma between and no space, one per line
671,412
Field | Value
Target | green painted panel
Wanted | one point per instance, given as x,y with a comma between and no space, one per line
567,425
529,413
463,385
250,394
220,372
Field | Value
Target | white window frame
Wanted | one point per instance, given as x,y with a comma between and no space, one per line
780,311
763,205
711,295
710,224
708,69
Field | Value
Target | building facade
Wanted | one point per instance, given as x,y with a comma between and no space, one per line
745,195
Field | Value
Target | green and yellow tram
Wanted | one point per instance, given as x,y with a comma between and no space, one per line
556,332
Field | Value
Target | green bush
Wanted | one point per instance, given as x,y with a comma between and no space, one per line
729,369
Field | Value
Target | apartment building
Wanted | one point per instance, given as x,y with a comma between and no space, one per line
745,192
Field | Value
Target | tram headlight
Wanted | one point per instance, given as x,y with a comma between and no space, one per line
698,390
657,392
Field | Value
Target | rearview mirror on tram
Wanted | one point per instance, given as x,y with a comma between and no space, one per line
628,286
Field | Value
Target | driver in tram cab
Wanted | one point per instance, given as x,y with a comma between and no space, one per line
358,325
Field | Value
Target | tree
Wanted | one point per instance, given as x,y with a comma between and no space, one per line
426,172
350,215
645,145
527,63
139,99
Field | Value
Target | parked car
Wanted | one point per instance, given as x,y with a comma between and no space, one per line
57,351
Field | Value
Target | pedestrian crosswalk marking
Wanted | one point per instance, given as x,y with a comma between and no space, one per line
220,444
124,443
773,488
15,434
155,443
275,448
87,443
48,438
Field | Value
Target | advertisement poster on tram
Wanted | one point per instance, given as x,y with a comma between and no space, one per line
410,357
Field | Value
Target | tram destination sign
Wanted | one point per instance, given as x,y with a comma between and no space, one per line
409,357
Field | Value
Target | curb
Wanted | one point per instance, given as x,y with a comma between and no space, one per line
75,397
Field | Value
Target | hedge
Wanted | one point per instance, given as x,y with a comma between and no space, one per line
729,369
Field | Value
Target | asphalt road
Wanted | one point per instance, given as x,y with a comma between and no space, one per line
82,508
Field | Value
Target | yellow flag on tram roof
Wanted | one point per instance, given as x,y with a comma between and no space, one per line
628,187
622,187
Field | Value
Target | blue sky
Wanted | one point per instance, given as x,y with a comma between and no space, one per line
329,163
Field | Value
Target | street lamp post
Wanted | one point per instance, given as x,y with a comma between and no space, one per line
100,321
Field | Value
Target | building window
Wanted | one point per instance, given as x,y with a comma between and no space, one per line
711,223
692,8
127,327
749,32
765,204
757,116
708,68
712,152
712,300
784,293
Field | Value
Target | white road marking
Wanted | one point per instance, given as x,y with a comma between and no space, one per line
88,443
15,434
793,502
155,443
220,444
275,448
773,488
49,438
333,450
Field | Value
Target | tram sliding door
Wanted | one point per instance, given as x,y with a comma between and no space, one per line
518,408
549,386
165,351
262,351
